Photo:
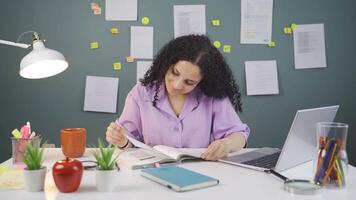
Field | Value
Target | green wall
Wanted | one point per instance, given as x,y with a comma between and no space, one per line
69,26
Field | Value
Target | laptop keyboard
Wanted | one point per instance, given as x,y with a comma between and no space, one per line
268,161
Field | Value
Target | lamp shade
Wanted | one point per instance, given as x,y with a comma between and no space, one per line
42,62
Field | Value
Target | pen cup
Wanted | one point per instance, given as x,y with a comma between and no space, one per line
73,141
331,163
19,147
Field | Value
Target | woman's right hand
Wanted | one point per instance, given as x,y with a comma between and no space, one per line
116,135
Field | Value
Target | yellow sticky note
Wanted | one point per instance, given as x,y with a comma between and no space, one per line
145,20
227,48
217,44
287,30
130,59
114,31
94,45
117,66
215,22
16,133
271,44
293,26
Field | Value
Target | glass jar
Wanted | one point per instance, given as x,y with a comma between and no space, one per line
331,163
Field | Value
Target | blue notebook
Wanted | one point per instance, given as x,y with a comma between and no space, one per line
178,178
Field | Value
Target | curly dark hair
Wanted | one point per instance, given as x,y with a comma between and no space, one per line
218,80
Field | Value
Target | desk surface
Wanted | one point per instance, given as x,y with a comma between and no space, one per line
235,183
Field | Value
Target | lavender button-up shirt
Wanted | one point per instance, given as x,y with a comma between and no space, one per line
202,120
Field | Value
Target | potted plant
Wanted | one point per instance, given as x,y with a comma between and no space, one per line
35,172
105,173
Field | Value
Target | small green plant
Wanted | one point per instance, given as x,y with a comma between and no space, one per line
104,156
33,157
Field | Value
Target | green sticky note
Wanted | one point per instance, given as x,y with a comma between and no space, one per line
16,133
271,44
215,22
293,26
217,44
227,48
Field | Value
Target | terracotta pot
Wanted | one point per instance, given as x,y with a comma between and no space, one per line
73,141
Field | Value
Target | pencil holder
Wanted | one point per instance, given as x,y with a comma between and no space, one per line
331,163
73,141
19,147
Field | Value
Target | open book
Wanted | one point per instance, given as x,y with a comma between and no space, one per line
146,156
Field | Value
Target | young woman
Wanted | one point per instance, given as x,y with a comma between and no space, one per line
187,99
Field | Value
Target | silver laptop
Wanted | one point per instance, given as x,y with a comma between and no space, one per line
298,148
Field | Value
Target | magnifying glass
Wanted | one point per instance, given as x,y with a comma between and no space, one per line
297,186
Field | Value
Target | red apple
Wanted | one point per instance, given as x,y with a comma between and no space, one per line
67,174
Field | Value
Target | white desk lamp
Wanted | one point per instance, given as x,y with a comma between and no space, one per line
41,62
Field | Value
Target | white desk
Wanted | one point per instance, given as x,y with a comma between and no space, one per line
235,183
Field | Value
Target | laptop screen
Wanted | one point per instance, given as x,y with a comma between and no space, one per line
300,145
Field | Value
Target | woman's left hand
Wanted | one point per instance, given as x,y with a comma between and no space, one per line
216,150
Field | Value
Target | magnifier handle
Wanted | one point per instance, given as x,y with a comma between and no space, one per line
271,171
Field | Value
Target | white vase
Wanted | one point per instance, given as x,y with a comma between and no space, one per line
105,180
35,179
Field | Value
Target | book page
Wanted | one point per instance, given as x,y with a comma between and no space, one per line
139,144
12,179
136,158
177,154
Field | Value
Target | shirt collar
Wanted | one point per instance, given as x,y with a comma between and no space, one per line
191,102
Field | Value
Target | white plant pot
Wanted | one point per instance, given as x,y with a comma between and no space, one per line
105,180
35,179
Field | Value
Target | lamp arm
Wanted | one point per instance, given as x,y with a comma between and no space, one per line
25,46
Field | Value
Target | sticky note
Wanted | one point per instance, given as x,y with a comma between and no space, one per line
94,45
130,59
95,8
227,48
217,44
145,20
16,133
114,31
287,30
215,22
293,26
271,44
117,66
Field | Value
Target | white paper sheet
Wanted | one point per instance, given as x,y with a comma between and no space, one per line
309,46
141,45
142,67
121,10
256,21
101,94
189,19
261,77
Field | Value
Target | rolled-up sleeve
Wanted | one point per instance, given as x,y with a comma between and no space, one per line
130,117
226,121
